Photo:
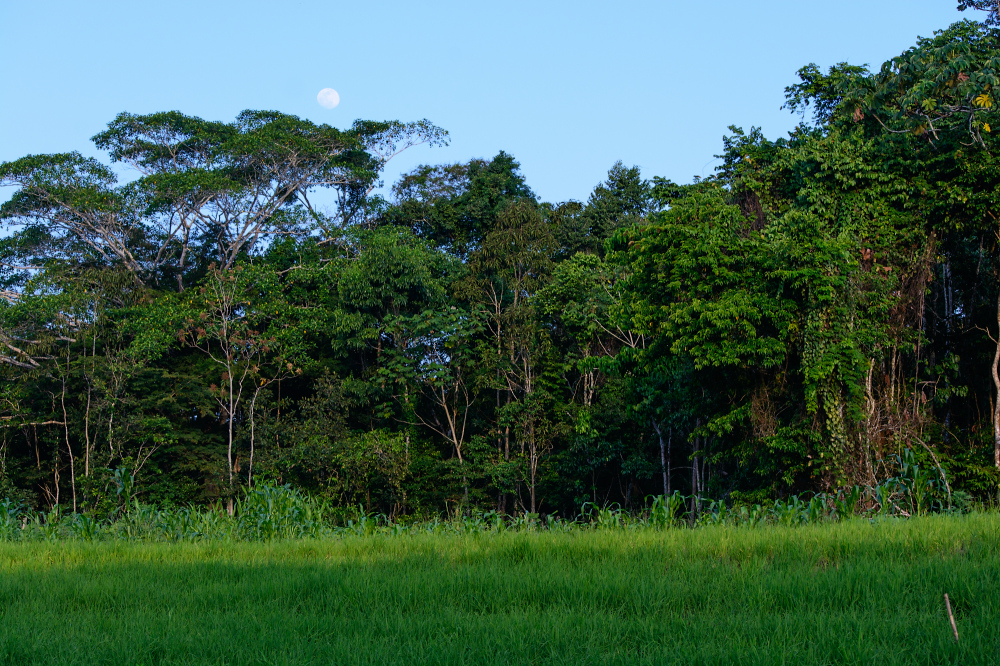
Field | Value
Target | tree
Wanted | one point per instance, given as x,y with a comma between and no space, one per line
224,321
506,272
434,356
455,206
577,306
623,200
218,190
990,6
72,210
931,108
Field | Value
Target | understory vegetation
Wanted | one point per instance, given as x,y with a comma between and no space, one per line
852,592
816,323
269,512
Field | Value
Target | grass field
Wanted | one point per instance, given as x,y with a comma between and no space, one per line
844,593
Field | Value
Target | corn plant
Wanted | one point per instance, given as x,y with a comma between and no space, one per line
751,516
667,511
13,516
272,512
816,509
716,513
84,526
846,503
789,512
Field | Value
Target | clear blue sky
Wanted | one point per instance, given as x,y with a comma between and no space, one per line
568,88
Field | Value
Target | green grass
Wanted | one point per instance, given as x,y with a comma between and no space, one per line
839,593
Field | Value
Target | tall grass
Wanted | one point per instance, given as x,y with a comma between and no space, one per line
846,592
856,577
269,512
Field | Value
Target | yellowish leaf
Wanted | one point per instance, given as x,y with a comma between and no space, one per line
983,101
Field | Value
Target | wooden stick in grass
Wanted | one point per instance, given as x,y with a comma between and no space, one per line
951,616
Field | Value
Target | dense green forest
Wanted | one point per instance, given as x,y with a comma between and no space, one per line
822,303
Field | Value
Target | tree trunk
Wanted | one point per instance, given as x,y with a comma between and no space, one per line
86,417
694,486
86,435
696,444
663,457
69,449
533,462
250,466
229,447
670,441
996,403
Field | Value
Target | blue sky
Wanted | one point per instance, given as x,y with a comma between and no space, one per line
568,88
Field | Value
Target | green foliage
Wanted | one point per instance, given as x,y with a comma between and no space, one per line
787,328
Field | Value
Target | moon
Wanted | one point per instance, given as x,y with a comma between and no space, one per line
328,98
